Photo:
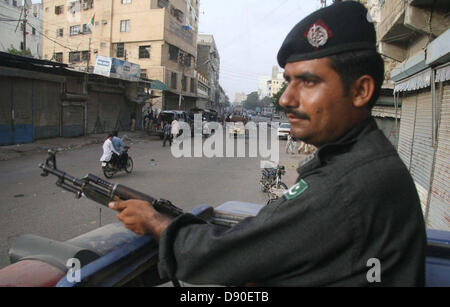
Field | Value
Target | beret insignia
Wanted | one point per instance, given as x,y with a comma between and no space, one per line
318,34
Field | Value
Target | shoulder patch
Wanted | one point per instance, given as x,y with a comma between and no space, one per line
296,190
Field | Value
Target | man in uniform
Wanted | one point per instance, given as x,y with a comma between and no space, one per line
354,216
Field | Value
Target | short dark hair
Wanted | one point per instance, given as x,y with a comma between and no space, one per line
110,135
115,133
354,64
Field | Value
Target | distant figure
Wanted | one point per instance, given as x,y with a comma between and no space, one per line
167,130
133,121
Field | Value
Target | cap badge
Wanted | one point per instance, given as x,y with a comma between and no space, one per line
318,34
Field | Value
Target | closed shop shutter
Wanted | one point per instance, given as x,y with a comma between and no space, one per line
439,211
407,128
422,153
73,120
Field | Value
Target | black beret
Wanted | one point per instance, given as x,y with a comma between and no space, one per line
343,26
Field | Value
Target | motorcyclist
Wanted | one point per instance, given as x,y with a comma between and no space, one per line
110,154
119,146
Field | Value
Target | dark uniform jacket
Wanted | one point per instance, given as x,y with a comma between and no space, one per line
355,203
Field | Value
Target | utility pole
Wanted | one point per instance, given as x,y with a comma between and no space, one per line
24,30
182,61
88,60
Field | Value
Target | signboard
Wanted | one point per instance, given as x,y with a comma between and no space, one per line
115,68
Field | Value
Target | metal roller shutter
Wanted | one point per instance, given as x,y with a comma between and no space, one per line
407,128
422,152
439,209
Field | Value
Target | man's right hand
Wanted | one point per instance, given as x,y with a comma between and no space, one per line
140,217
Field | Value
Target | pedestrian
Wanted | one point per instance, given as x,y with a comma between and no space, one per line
133,121
175,129
167,130
352,219
289,144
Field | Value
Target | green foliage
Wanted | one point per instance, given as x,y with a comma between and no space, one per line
14,51
252,101
276,98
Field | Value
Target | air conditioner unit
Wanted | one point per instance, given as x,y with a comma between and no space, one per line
104,22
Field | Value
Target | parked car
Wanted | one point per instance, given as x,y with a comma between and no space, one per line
284,130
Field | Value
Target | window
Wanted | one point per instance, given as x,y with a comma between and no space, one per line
184,83
33,31
144,52
74,57
86,29
144,73
85,55
173,53
125,25
14,3
192,85
59,9
173,80
59,32
120,50
88,4
75,30
59,57
179,15
163,3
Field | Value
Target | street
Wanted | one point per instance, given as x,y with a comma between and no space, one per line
32,204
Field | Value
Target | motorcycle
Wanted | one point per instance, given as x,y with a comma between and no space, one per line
271,178
110,170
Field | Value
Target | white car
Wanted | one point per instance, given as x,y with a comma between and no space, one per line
283,130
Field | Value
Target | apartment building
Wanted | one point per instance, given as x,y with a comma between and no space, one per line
158,35
12,14
276,83
416,35
209,65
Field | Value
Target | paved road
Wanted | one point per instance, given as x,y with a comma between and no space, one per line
34,204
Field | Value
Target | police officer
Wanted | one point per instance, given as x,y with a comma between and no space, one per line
354,216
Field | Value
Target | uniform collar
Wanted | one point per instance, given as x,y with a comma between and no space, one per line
323,153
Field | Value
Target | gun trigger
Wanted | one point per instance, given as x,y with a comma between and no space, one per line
117,198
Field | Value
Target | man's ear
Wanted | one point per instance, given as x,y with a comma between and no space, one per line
362,91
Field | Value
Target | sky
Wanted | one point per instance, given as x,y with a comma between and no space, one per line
248,35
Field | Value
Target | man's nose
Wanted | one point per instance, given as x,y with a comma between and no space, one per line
289,98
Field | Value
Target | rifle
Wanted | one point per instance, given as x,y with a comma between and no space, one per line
102,191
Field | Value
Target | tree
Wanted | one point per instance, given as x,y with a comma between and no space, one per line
276,98
14,51
252,101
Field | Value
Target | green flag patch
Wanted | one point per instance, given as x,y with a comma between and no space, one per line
296,190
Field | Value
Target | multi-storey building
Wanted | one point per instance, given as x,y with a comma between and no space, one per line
263,86
12,15
158,35
209,65
416,34
276,83
239,98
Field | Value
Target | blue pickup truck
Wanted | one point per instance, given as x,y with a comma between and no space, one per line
114,256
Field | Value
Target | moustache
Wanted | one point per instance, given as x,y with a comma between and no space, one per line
297,114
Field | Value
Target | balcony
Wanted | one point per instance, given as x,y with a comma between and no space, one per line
403,22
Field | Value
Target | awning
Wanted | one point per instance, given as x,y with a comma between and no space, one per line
443,73
416,82
158,85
